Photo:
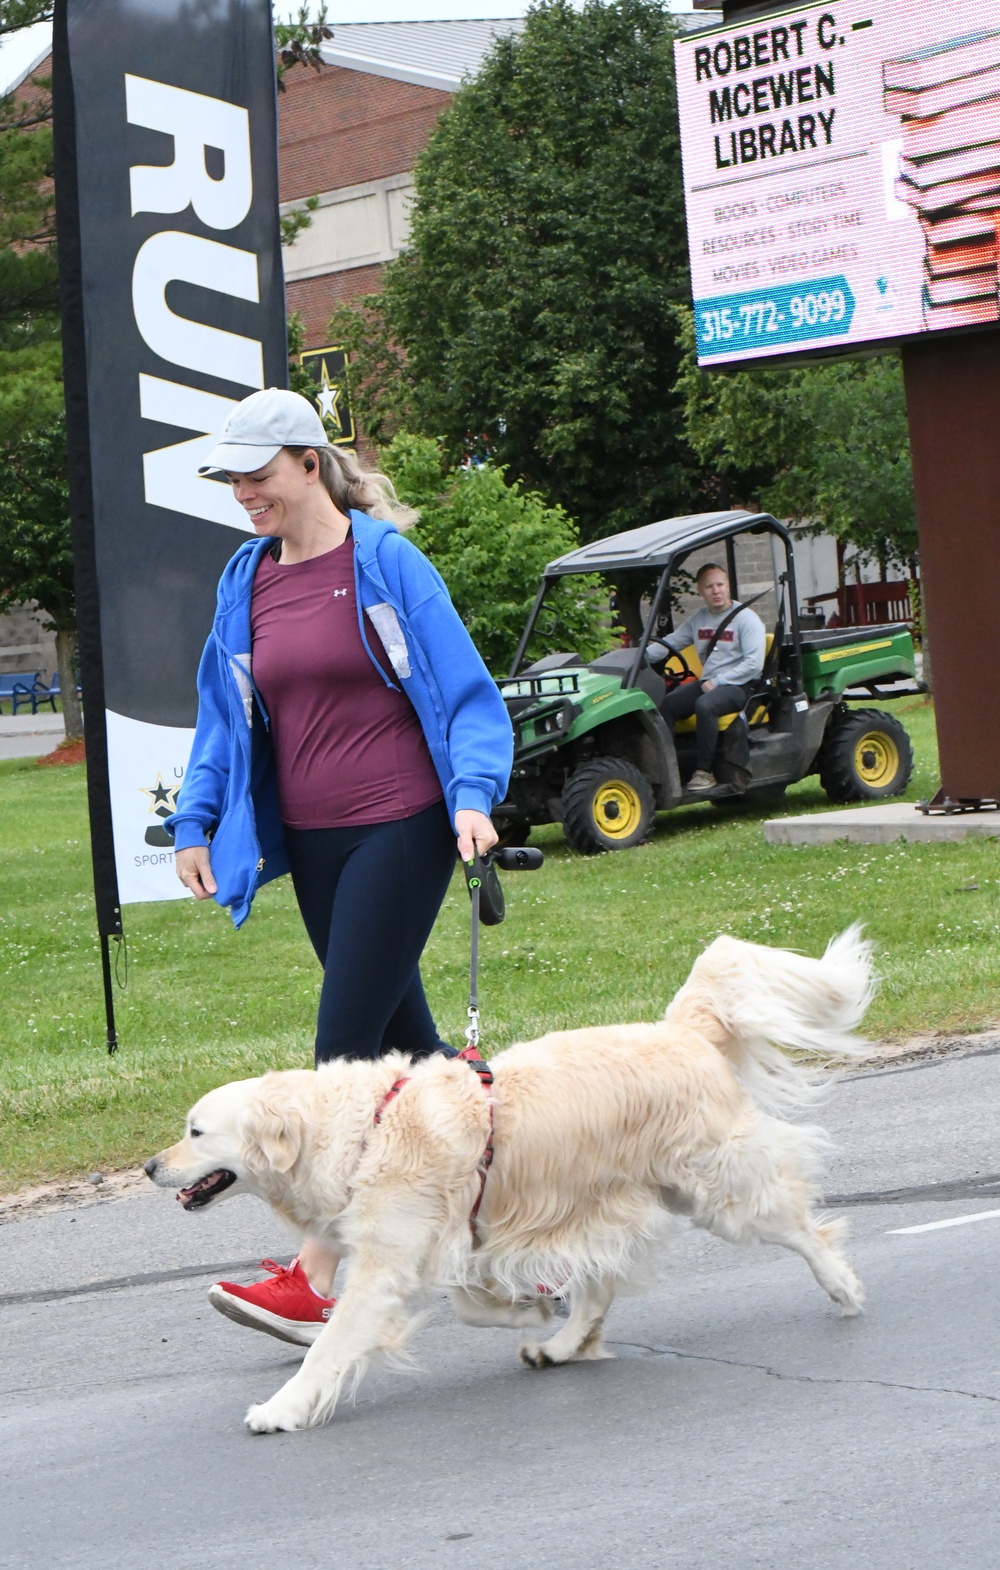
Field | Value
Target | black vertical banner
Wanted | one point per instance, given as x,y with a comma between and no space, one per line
173,310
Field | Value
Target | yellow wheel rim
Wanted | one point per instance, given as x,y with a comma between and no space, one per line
617,810
876,759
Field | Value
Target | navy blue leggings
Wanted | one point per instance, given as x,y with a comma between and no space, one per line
369,897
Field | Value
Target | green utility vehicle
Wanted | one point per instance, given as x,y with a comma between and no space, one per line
592,749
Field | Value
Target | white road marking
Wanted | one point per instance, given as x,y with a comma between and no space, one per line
934,1226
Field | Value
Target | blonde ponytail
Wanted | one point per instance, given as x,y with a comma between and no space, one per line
348,485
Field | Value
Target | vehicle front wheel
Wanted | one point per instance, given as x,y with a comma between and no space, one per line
866,755
607,805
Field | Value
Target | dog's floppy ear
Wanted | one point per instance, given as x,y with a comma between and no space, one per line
272,1130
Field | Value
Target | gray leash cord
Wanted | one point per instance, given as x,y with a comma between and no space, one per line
472,1033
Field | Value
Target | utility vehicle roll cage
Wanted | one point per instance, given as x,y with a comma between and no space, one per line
664,546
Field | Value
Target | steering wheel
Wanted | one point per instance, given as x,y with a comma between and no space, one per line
673,678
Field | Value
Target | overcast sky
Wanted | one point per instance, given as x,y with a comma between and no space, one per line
20,52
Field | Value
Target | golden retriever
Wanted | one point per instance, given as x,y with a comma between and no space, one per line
599,1135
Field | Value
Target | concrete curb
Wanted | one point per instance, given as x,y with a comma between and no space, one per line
882,825
31,725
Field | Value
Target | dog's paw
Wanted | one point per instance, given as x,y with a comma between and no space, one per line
534,1356
596,1353
851,1307
561,1349
592,1348
277,1416
850,1296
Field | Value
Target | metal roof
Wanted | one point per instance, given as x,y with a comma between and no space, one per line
429,54
21,53
655,543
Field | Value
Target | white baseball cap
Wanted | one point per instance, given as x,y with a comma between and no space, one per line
260,426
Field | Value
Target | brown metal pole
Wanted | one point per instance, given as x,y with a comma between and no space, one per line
953,405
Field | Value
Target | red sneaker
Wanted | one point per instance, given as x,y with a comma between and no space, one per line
284,1306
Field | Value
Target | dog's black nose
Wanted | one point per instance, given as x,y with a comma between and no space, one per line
150,1166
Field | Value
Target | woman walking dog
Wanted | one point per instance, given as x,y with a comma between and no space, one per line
348,732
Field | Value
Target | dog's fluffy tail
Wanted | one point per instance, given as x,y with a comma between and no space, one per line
755,1003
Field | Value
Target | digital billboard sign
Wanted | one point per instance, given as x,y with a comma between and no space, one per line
841,175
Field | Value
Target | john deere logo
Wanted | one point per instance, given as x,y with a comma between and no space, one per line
162,802
326,368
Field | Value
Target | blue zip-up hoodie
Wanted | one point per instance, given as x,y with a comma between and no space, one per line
230,791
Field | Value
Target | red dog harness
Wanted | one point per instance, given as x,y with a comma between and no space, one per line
480,1067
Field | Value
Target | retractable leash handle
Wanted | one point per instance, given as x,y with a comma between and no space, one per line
517,858
484,885
489,907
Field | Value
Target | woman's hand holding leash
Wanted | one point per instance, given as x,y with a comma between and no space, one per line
476,834
194,869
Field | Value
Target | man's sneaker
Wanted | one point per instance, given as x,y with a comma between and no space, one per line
284,1305
702,780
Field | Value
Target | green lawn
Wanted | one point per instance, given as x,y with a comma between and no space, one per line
586,940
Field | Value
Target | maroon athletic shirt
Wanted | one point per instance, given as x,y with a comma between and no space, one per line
349,749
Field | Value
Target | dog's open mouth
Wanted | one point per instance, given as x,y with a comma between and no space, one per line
205,1189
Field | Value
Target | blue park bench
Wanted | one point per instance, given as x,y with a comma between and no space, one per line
27,690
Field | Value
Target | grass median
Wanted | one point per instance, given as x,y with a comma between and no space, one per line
587,940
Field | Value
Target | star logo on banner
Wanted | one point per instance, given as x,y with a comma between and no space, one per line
163,798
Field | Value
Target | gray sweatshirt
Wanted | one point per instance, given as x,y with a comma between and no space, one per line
738,657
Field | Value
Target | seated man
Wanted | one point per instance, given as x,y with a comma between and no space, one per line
736,660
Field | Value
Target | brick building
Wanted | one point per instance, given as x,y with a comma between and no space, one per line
350,134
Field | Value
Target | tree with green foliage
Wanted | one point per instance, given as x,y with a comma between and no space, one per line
828,444
30,360
490,541
300,42
299,379
36,554
530,321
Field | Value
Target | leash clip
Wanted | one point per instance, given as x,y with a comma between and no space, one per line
472,1033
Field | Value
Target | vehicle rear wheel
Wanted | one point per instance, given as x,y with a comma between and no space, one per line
866,755
607,805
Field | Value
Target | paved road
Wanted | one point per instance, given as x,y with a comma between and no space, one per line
744,1423
30,735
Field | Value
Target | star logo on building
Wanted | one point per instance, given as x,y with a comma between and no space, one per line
327,397
327,371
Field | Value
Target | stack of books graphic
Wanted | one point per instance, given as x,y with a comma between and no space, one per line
948,99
